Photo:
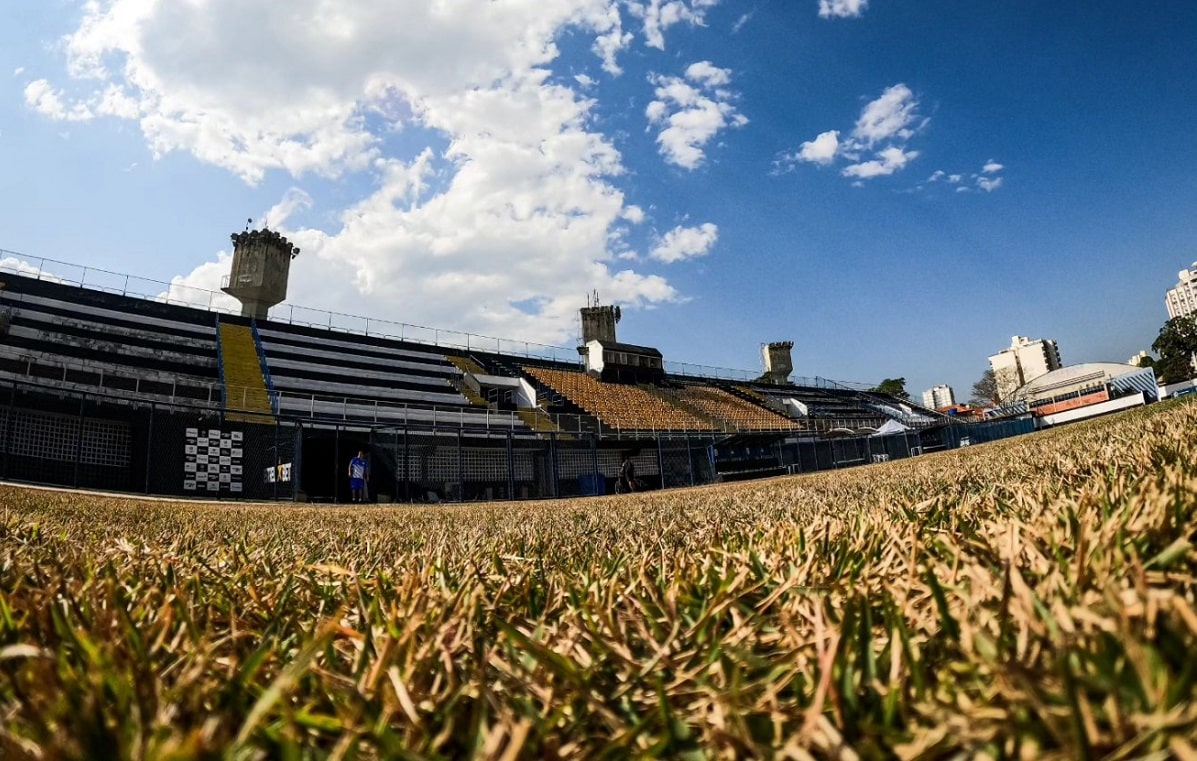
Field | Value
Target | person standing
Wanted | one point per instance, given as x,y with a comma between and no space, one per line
359,471
627,475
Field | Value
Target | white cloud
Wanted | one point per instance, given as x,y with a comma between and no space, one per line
201,287
887,162
984,180
18,71
510,198
740,22
586,82
692,112
659,15
888,117
292,201
842,8
22,267
633,214
47,101
891,119
685,243
822,149
610,37
706,73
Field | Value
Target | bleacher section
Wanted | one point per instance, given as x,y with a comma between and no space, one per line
78,339
841,405
732,410
354,377
620,407
98,342
246,397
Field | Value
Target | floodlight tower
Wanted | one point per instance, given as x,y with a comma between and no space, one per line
261,266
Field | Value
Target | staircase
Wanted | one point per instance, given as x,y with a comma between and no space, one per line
674,400
246,399
539,420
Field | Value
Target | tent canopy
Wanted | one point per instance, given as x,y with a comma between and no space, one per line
890,428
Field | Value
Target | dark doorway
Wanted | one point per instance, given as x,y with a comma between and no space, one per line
326,456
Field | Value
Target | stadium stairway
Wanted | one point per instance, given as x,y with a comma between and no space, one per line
246,399
671,398
538,420
752,396
467,366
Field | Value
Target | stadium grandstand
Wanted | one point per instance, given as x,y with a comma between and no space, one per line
109,389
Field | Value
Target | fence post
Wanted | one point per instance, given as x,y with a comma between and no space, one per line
79,441
277,462
461,470
296,461
689,459
406,465
553,469
510,469
594,460
395,459
149,449
336,464
10,418
660,462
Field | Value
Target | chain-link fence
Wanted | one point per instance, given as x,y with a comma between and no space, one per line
90,441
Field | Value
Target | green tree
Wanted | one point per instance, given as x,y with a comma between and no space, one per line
1175,346
895,387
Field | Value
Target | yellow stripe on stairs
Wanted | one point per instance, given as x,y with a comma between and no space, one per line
246,399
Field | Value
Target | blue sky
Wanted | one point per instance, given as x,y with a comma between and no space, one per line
897,187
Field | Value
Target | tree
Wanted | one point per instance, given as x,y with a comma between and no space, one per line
985,391
1176,345
895,387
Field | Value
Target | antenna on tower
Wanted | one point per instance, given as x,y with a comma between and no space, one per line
248,222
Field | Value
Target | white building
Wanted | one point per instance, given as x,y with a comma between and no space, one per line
1024,361
1138,359
1182,300
939,397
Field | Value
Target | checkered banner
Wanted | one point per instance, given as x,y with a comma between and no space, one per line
212,460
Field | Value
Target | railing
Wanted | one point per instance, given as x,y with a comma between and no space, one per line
178,294
263,364
364,411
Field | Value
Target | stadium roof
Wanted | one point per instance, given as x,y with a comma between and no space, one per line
1071,378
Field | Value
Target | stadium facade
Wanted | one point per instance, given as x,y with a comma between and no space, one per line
103,388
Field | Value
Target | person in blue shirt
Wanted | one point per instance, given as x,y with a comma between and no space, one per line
359,471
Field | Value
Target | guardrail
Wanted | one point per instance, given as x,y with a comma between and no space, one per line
179,294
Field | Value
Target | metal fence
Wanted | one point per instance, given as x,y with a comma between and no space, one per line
94,278
90,441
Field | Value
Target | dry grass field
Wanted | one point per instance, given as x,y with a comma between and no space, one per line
1032,598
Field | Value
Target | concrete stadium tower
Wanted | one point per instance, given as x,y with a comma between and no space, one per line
598,322
261,266
778,362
